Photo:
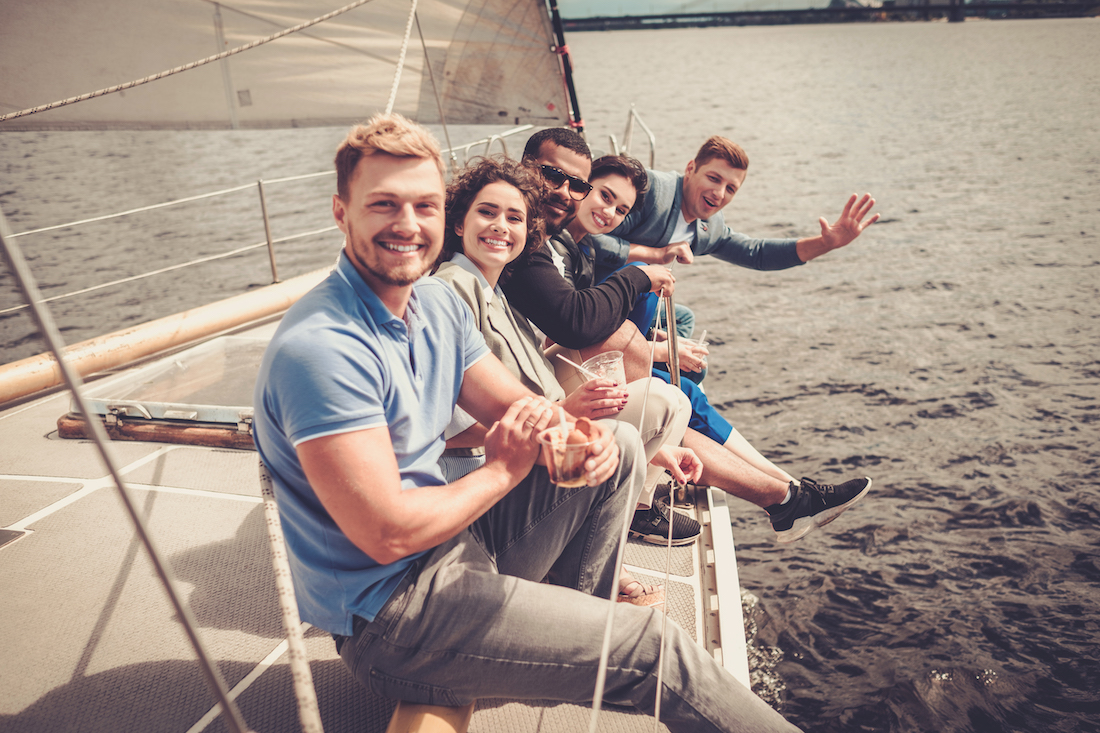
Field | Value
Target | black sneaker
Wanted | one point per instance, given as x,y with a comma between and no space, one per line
651,525
664,490
814,505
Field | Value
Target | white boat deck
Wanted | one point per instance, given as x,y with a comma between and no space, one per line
89,639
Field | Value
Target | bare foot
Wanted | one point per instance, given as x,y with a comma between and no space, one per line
640,594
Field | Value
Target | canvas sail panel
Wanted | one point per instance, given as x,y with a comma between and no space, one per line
493,62
495,44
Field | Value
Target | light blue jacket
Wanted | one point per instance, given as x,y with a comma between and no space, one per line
653,221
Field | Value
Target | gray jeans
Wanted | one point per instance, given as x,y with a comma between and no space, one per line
472,619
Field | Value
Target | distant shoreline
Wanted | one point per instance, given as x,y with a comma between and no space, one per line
890,11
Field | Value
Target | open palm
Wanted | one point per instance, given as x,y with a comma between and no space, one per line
850,224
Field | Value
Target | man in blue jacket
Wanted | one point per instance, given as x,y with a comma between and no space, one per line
680,218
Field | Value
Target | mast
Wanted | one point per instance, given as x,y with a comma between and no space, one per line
575,119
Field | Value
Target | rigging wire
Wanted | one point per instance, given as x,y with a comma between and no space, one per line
605,647
435,93
188,67
138,210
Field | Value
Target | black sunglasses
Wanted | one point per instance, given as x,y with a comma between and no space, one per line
578,187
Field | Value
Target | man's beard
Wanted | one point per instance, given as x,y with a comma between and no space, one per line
398,277
553,230
401,280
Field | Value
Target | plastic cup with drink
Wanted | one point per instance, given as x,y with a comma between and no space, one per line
565,449
608,365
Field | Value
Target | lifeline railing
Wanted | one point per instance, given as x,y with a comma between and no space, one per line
628,137
270,242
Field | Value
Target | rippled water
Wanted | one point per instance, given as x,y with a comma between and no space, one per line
952,353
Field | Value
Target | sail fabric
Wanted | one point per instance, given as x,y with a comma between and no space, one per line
493,61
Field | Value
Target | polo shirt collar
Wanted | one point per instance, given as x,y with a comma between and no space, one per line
378,311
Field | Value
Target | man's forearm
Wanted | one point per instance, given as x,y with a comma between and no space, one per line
646,255
489,389
811,247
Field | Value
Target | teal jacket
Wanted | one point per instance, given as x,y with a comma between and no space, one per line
654,219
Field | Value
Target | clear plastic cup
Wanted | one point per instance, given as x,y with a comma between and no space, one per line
564,461
608,365
696,346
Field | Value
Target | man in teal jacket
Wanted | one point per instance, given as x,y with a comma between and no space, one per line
680,218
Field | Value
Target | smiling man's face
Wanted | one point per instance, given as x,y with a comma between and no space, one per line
393,220
708,188
560,207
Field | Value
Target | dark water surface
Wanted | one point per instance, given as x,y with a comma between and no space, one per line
952,353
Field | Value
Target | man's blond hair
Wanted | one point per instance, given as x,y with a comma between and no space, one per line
723,149
385,134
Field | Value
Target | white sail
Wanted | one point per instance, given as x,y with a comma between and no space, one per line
494,62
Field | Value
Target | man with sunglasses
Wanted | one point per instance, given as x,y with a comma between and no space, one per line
565,162
591,315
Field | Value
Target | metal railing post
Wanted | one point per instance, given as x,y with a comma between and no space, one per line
628,136
267,232
489,145
652,142
628,133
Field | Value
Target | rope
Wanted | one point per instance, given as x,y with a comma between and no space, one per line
401,58
605,648
185,67
308,712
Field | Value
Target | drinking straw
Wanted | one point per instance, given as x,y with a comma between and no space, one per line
591,374
564,425
703,338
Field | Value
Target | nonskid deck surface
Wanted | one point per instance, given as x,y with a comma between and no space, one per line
87,633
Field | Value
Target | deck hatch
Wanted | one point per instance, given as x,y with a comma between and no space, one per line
210,383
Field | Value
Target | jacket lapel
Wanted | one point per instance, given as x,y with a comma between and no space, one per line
673,217
504,325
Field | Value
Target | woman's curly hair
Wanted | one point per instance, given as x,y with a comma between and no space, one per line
478,174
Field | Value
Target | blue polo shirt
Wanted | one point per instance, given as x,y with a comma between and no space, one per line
340,362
